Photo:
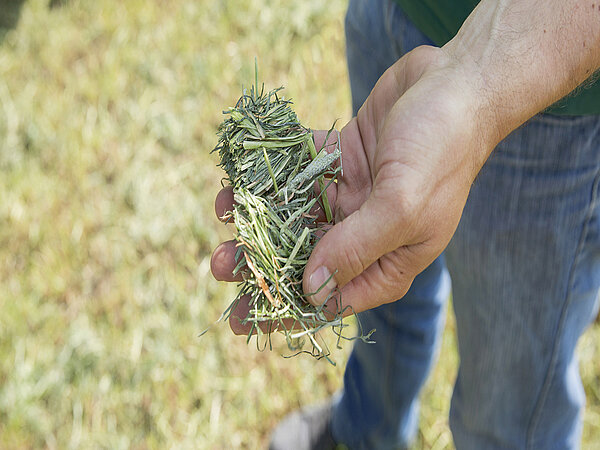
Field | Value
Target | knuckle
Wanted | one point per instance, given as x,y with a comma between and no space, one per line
396,278
354,256
397,190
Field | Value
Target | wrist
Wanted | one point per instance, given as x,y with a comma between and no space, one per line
483,109
474,123
522,56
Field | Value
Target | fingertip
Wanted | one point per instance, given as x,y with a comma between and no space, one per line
224,202
319,285
222,262
238,314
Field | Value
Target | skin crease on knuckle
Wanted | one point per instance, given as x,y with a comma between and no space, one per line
376,286
396,279
354,256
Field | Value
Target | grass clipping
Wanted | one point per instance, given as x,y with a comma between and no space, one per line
272,164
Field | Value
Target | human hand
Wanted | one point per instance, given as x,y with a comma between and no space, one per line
418,142
409,158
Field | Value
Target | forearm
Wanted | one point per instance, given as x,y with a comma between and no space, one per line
520,56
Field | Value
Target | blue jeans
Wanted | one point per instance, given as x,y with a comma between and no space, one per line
525,271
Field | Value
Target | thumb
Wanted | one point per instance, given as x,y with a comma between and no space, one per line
349,248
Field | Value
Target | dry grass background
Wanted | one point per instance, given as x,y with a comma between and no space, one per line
108,111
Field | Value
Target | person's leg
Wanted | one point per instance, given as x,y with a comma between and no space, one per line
525,266
378,406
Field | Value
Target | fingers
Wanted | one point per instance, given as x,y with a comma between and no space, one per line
385,281
224,202
241,310
350,248
239,313
222,262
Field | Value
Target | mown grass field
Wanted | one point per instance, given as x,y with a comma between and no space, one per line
108,113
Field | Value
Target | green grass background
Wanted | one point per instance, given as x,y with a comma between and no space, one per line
108,112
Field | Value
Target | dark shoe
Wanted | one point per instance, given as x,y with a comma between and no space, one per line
306,429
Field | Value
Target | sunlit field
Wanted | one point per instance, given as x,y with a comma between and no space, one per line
108,114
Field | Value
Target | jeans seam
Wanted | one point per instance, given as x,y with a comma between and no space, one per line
395,42
390,341
561,324
387,20
390,346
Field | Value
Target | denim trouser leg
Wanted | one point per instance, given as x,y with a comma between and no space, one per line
378,406
525,265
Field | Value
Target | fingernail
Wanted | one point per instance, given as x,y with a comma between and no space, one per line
317,279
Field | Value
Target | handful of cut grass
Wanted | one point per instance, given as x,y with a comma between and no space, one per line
272,164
